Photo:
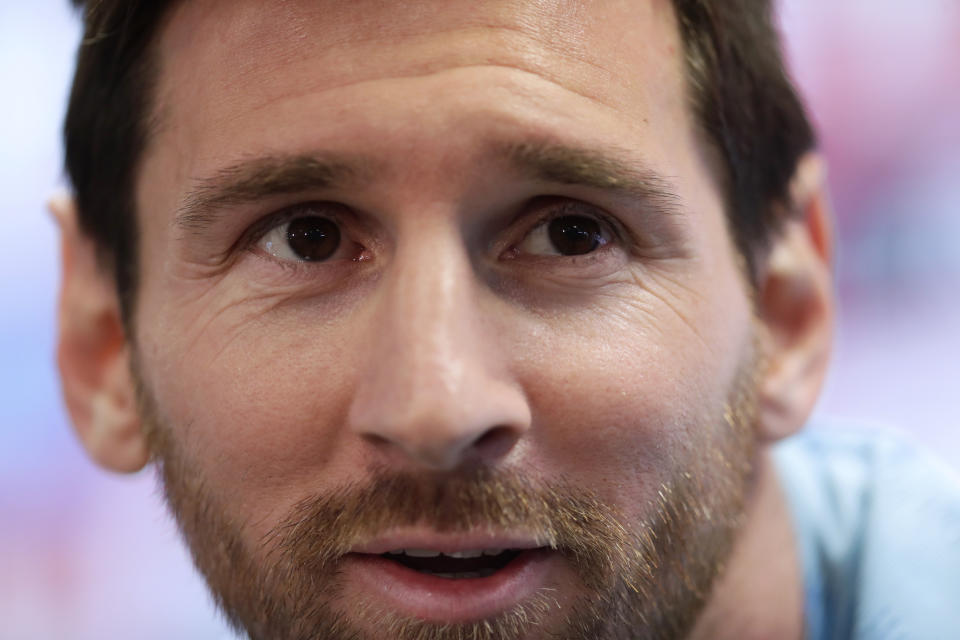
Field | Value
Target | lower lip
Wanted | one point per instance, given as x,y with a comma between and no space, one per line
444,600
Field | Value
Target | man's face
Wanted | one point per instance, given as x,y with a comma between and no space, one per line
441,276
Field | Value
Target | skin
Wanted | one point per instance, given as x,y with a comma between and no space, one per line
449,338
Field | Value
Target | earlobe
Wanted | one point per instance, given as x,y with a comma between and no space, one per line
93,354
796,308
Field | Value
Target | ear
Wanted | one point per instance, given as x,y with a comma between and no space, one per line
796,307
93,353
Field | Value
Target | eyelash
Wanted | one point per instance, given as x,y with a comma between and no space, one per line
561,209
575,208
270,222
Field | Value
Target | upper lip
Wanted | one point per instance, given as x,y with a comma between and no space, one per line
447,542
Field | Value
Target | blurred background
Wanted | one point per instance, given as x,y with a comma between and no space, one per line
86,555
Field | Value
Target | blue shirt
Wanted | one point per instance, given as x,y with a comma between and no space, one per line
878,529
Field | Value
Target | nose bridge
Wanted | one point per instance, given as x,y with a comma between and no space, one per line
433,390
430,314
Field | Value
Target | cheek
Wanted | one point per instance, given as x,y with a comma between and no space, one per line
622,395
254,398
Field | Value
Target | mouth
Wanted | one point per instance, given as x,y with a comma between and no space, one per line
456,565
451,581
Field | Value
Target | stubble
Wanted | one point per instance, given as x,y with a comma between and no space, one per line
639,581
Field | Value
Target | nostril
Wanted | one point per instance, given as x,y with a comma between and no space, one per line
376,439
495,442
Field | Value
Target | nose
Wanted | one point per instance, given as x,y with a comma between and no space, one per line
435,387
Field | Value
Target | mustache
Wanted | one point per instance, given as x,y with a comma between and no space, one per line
578,524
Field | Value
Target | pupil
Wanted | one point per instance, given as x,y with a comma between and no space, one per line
574,235
313,238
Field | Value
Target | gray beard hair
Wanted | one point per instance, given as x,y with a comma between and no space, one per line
646,581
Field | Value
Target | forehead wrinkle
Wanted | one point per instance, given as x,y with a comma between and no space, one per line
534,43
352,22
423,70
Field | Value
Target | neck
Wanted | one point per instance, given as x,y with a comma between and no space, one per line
760,595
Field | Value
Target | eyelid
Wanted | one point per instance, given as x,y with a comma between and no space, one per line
573,208
273,220
546,209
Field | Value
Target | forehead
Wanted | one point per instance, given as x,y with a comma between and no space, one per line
224,64
359,40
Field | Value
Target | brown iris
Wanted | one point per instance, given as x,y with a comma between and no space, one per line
313,238
575,235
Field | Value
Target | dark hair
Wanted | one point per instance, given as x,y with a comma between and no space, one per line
742,98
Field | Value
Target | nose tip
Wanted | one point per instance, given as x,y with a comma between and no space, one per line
436,385
441,429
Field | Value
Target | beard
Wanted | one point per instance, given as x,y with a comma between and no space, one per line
646,580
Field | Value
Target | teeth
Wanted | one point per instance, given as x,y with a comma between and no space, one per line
428,553
420,553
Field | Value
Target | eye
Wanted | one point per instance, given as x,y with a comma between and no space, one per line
568,235
307,238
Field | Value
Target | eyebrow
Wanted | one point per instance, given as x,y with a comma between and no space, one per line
253,180
607,170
